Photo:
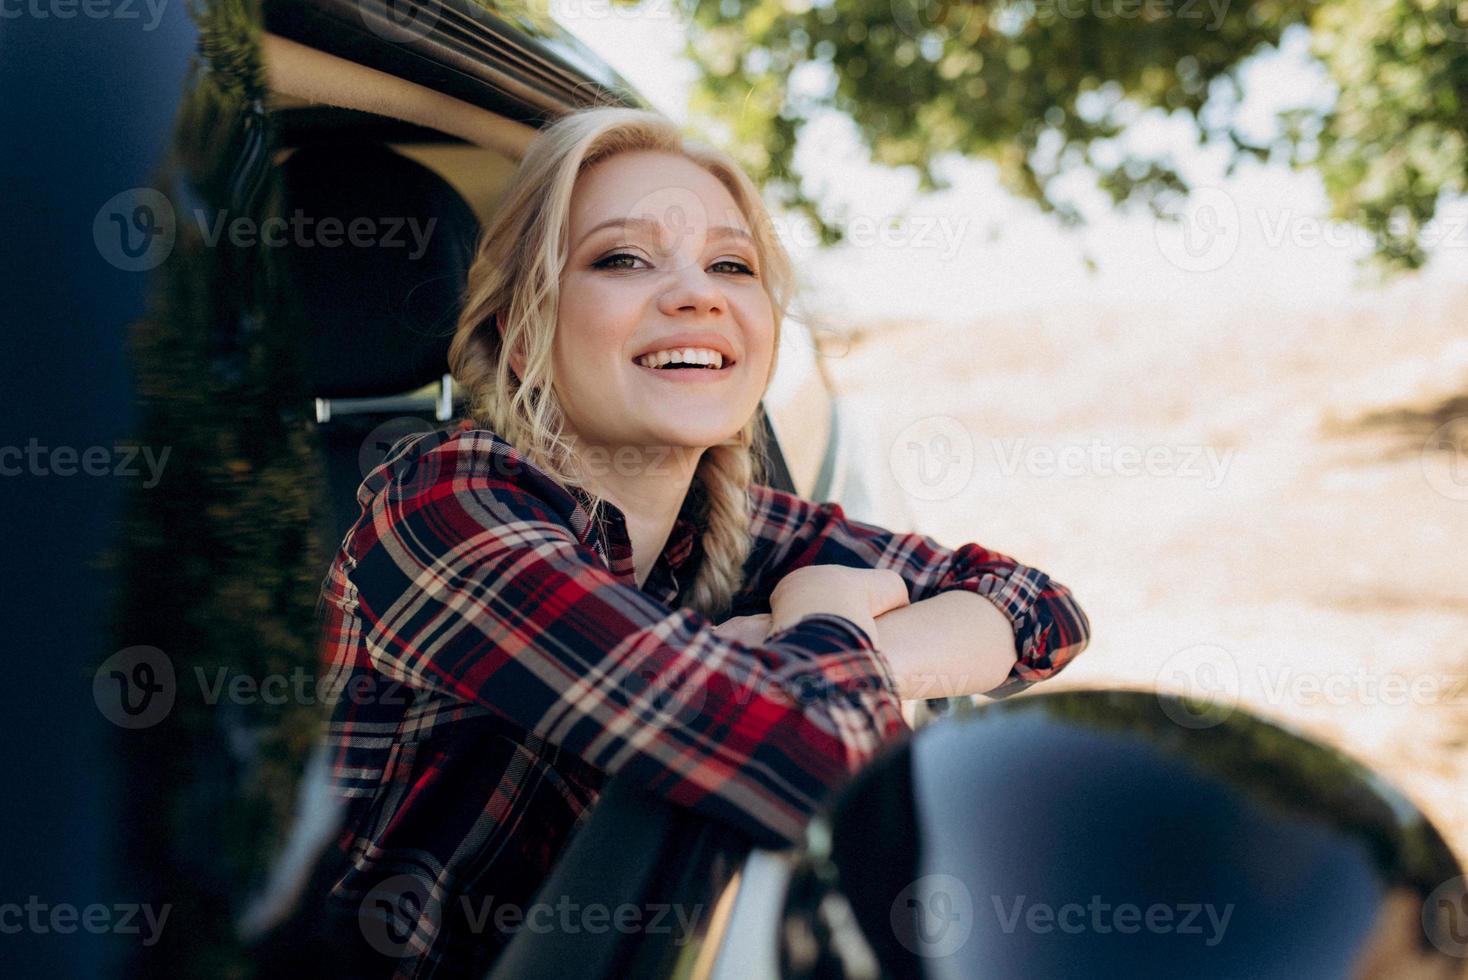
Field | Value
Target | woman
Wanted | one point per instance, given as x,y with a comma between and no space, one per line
586,578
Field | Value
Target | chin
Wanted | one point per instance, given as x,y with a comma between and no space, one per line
699,437
696,440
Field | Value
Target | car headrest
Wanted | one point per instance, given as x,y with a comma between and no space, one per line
379,250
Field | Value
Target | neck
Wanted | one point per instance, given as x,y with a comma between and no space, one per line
648,484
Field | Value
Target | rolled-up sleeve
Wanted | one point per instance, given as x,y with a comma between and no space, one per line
481,595
1050,628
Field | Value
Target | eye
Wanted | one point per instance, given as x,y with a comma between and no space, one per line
744,270
606,263
612,262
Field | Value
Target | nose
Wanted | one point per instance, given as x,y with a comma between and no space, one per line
691,288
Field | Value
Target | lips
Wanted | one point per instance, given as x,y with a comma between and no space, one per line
703,338
683,357
688,375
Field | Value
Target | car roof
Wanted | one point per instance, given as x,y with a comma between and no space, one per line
512,60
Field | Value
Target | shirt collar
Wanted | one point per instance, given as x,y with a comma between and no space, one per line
684,540
684,536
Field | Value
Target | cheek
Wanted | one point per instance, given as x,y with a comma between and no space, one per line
584,326
768,346
579,373
761,343
597,319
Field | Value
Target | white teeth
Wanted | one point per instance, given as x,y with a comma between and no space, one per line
683,355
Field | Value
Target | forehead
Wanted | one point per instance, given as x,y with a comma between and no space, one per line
643,184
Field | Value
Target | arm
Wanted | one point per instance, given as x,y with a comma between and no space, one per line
947,645
1047,627
930,645
476,592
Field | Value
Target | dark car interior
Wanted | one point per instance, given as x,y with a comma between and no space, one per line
378,319
420,115
378,323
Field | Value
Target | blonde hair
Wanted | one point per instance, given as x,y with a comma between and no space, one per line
511,303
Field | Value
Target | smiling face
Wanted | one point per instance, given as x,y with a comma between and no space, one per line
659,258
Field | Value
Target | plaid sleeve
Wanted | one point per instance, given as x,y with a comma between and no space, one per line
1050,628
475,591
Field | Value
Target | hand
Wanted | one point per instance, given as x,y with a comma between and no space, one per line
859,594
751,630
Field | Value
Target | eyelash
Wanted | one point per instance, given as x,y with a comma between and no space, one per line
602,263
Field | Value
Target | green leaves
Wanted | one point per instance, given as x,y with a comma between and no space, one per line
1034,85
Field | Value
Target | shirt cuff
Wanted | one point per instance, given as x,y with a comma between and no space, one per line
1018,597
845,658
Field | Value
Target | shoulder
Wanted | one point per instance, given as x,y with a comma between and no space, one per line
778,516
775,508
788,531
780,521
459,481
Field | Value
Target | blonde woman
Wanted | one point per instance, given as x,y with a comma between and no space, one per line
586,577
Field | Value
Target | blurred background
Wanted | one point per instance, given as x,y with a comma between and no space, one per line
1168,299
1164,297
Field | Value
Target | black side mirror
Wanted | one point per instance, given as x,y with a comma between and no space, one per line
1113,833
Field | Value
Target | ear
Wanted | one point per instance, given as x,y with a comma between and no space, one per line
517,356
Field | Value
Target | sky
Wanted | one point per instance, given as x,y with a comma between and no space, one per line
1256,240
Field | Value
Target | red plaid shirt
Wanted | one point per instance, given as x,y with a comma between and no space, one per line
495,661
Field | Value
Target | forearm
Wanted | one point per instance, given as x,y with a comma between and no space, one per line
953,643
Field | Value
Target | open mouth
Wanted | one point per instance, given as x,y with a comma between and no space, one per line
691,367
693,374
668,368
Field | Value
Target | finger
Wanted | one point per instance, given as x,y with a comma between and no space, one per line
746,629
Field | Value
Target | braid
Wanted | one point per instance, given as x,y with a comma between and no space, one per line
726,471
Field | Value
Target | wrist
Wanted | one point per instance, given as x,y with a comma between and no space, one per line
826,618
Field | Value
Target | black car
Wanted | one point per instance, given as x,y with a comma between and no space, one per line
275,373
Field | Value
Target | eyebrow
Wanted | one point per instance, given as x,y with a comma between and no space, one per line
649,224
